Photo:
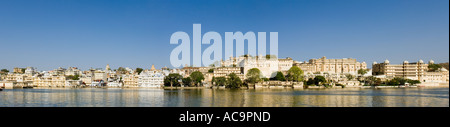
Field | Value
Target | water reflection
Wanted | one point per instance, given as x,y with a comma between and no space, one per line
96,97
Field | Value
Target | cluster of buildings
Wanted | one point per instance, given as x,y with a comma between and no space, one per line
73,77
332,69
414,70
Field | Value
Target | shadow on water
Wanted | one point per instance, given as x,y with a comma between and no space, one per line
144,97
405,92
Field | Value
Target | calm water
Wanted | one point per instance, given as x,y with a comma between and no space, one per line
142,97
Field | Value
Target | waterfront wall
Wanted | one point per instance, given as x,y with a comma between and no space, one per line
432,84
278,84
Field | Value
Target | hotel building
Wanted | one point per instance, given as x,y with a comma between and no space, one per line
332,66
267,66
151,78
414,71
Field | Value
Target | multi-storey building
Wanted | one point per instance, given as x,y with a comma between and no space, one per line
19,79
72,71
331,66
225,71
151,78
49,80
188,70
18,70
415,71
267,65
130,80
100,76
440,76
30,71
285,64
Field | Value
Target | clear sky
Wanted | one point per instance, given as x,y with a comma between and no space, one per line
135,33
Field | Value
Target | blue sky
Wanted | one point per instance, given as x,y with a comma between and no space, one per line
92,33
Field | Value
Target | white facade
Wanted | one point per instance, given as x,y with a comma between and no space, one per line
268,67
151,79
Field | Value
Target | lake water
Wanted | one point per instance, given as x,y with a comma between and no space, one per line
145,97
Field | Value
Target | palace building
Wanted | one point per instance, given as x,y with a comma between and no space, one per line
332,66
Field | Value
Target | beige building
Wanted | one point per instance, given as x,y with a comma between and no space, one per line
130,80
188,70
100,75
225,71
414,71
267,66
19,79
331,66
49,80
72,71
285,64
18,70
441,76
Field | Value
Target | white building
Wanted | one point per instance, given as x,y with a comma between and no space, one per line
30,71
268,67
100,75
72,71
151,79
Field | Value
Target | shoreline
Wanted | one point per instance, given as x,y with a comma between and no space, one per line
243,88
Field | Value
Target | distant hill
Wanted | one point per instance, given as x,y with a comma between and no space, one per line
445,65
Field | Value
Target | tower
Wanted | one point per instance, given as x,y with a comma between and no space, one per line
153,67
107,67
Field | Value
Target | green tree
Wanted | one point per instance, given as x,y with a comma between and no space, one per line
211,70
393,82
349,77
371,80
434,67
319,79
362,71
122,70
270,56
378,82
279,77
187,81
220,81
197,77
401,81
73,77
253,75
139,70
172,79
4,71
233,81
295,74
310,81
413,82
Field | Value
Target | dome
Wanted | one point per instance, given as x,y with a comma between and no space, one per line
443,69
420,61
386,61
405,62
431,62
374,62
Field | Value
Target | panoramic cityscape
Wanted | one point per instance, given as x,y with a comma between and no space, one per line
241,72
